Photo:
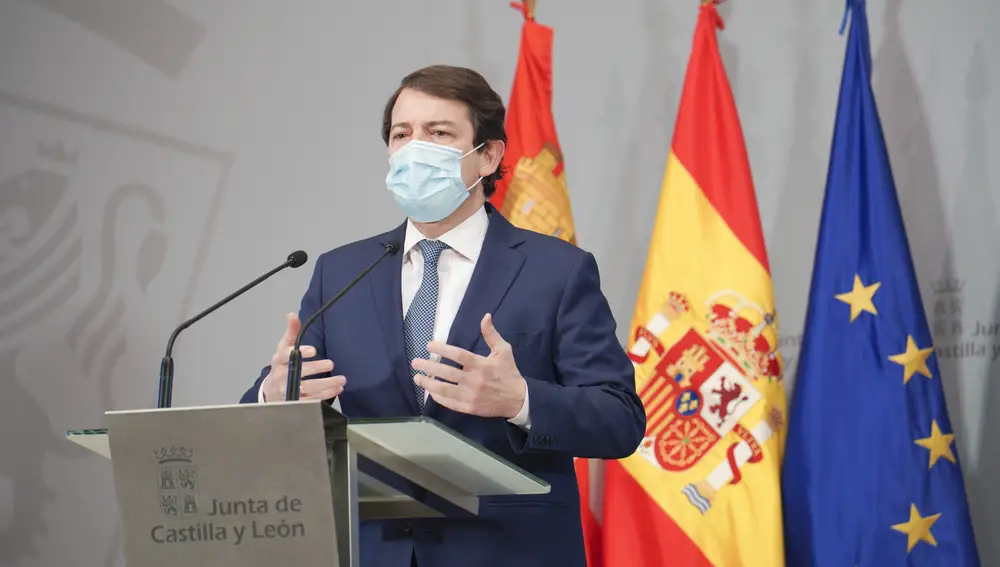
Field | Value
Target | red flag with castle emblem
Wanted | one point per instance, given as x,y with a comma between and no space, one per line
703,487
533,194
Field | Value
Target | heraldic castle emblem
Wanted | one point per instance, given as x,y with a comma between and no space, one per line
537,198
178,482
703,388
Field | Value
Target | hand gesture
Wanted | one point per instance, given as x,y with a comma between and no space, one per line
317,388
487,386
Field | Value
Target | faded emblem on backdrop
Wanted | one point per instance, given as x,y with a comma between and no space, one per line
93,214
960,333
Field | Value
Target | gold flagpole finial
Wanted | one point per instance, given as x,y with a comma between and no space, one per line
526,7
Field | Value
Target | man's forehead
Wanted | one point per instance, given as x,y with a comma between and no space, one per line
418,109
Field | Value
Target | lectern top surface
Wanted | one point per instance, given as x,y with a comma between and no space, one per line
419,440
447,454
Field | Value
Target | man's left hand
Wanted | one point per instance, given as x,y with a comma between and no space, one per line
487,386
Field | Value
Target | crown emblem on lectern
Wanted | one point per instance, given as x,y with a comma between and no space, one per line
177,481
173,455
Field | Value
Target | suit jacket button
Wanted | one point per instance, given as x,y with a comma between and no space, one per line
407,527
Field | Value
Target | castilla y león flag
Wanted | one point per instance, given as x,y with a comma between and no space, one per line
703,487
533,194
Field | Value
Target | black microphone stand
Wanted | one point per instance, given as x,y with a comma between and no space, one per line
293,384
165,396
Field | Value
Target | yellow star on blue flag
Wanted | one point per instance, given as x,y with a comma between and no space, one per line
869,475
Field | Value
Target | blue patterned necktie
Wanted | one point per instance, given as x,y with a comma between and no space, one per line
418,324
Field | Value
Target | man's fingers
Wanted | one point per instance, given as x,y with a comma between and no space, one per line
438,388
291,331
279,359
306,351
282,356
490,334
451,352
322,386
451,403
292,326
431,368
316,367
323,395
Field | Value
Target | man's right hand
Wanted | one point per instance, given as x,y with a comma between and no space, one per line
273,387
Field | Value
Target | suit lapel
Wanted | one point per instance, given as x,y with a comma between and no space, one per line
498,265
386,291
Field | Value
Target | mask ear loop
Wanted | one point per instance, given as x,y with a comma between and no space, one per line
472,150
502,152
480,180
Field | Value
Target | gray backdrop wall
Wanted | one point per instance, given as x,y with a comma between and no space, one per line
155,155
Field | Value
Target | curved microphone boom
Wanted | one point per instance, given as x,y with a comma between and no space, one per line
295,259
293,384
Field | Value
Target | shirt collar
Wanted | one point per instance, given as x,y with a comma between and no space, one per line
466,238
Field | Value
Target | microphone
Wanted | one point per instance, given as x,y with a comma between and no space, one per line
295,259
294,382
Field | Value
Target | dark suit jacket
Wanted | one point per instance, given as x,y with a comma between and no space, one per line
546,301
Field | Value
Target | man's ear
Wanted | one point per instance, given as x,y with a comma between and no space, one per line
492,156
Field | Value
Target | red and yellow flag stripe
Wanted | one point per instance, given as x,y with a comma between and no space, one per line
533,195
704,487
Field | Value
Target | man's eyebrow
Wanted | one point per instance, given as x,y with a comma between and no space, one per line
430,124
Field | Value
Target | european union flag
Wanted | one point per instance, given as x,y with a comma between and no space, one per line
871,476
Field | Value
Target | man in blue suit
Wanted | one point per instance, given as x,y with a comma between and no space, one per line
540,377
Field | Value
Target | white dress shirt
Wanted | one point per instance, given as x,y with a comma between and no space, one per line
455,267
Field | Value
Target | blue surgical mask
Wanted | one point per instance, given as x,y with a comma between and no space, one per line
426,180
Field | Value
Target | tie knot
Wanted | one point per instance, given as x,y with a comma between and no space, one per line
431,249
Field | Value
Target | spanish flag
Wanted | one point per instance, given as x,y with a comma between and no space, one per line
703,487
533,194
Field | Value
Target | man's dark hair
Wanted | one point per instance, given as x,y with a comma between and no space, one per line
486,109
